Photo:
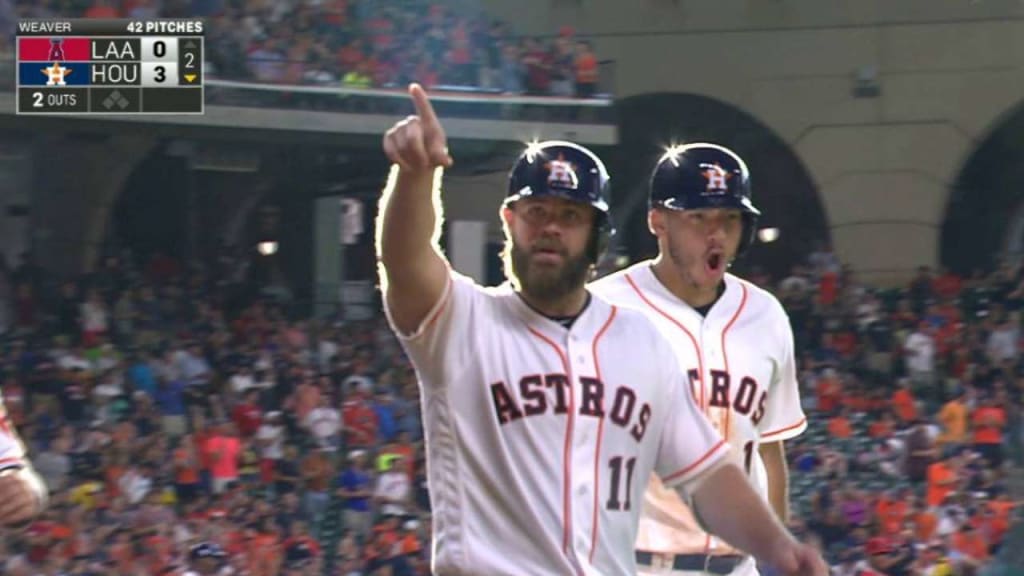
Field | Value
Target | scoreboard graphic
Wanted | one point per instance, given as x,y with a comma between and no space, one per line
82,66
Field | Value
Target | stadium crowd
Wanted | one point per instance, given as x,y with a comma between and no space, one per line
159,421
357,43
163,413
914,398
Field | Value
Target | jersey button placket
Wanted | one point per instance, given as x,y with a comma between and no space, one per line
582,437
574,366
708,342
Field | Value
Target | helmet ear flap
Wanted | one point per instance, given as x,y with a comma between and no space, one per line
747,236
600,238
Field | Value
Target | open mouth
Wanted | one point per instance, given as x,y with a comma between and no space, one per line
715,262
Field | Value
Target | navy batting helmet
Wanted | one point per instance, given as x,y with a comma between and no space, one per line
703,175
565,170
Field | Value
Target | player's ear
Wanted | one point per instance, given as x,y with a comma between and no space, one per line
507,215
655,222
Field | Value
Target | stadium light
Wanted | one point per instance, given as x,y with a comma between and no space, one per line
267,248
768,235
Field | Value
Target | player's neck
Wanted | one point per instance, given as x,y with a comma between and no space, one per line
671,279
565,307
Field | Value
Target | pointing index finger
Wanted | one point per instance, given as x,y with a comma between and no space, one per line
424,109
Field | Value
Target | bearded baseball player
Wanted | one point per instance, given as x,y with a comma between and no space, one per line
23,494
733,338
540,438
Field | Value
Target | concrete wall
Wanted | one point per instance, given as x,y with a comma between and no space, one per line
948,69
77,180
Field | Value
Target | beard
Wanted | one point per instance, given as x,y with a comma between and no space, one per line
548,282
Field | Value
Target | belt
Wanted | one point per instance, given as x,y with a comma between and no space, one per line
714,564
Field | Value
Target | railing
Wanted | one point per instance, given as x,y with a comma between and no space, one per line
456,101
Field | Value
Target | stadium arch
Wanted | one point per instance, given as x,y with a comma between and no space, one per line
984,213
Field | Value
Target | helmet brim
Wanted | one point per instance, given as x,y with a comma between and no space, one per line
743,204
526,192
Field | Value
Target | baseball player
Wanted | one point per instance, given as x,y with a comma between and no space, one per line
546,410
733,338
23,494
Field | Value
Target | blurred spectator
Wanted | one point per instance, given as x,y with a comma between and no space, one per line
54,464
316,477
989,420
586,70
921,452
512,69
270,439
953,417
920,350
360,419
247,415
223,449
537,61
287,471
353,487
394,490
324,424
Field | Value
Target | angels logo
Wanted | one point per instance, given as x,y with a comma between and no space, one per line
56,49
562,174
717,178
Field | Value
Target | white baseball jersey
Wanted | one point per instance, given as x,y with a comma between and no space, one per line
12,452
742,371
540,439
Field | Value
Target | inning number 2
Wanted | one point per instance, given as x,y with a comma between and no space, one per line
616,464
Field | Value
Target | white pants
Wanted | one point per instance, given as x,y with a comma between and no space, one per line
747,568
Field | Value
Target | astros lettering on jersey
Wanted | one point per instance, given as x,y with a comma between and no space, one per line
541,438
742,371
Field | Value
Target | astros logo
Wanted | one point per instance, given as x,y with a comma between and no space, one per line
56,74
562,174
717,178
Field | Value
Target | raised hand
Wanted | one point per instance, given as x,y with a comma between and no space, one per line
418,143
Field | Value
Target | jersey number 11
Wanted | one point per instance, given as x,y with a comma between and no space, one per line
613,498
